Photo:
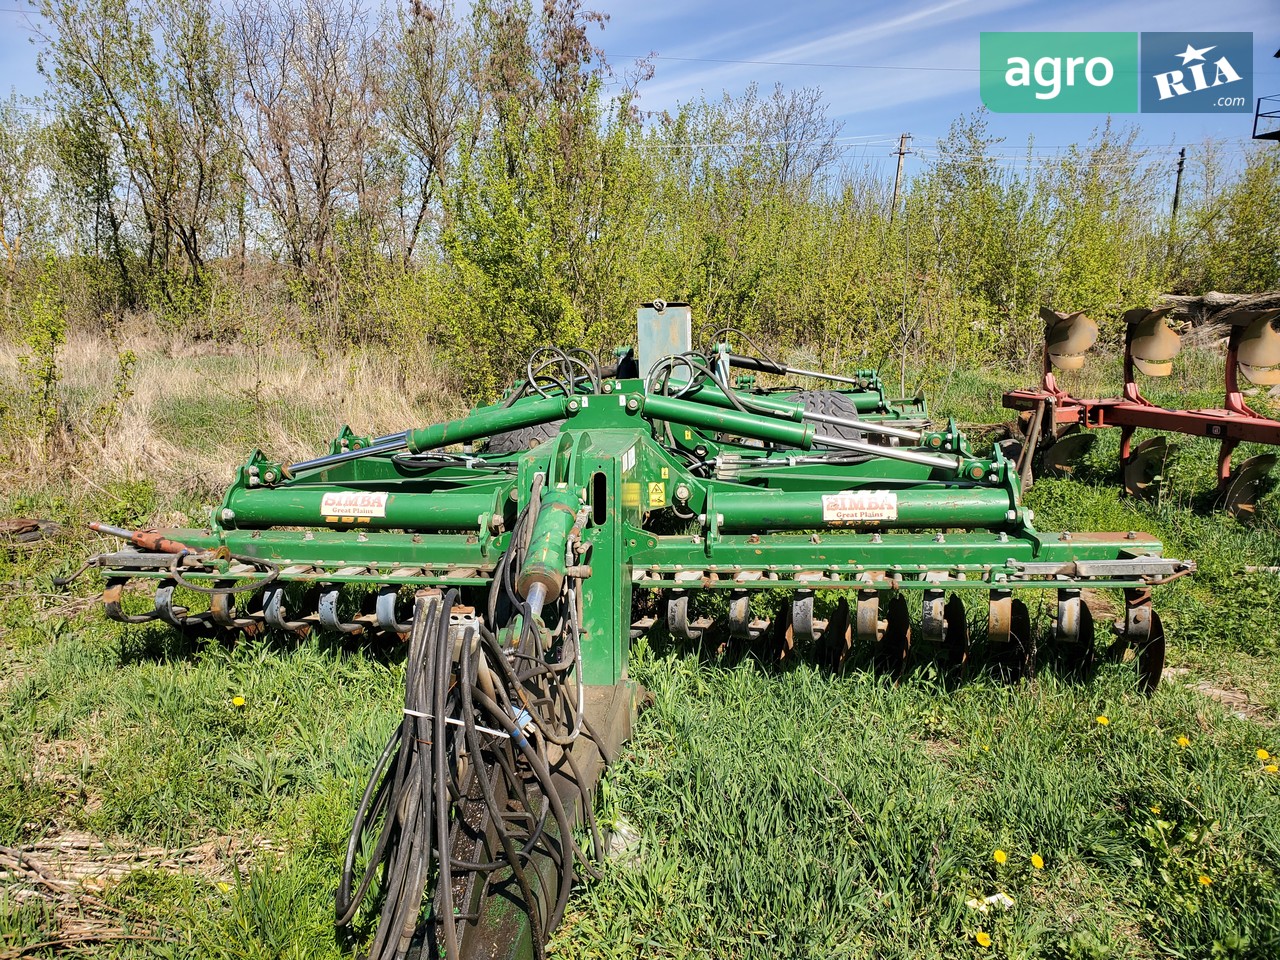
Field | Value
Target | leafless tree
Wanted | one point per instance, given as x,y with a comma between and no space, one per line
308,106
431,105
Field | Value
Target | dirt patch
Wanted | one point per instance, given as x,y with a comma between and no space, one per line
1236,701
83,859
67,873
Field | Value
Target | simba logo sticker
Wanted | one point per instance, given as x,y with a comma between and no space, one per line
860,506
350,504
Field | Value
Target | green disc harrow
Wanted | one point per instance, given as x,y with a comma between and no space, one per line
522,548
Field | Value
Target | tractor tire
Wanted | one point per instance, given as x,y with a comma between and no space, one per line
526,438
830,403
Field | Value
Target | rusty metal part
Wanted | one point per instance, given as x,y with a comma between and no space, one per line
111,597
150,540
869,628
741,624
999,617
1074,632
1258,353
1009,638
1140,629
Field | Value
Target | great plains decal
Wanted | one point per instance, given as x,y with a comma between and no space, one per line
860,506
351,505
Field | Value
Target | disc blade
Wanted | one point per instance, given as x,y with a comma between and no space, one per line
1145,467
1152,339
1070,334
1262,376
1151,658
1064,454
1246,485
1259,343
1068,362
1153,369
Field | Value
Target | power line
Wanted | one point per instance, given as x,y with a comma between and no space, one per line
799,63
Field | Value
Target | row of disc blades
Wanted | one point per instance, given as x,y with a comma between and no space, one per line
1153,344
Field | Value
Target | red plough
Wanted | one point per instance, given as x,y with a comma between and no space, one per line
1055,424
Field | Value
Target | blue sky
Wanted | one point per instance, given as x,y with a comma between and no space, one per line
849,50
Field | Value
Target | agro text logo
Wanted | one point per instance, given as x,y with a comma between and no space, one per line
1197,73
1059,72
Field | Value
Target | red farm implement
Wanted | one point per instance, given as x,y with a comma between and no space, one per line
1056,425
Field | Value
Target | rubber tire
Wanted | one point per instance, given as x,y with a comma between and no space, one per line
517,441
830,403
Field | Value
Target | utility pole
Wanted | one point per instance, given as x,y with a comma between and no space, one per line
902,151
1177,193
1177,187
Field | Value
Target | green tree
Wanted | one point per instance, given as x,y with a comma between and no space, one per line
142,91
25,207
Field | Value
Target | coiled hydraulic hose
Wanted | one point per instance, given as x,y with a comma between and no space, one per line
479,717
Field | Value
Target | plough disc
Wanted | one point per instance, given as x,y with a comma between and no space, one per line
1246,484
1145,467
1063,455
1153,344
1068,336
1259,352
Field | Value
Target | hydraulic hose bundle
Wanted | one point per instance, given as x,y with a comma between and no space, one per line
477,785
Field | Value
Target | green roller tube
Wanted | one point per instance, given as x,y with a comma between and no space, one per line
729,421
953,505
866,401
545,562
713,396
346,506
487,423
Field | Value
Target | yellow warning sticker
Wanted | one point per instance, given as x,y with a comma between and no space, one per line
657,493
860,506
630,494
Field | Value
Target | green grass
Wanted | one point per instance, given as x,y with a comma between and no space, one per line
805,815
793,814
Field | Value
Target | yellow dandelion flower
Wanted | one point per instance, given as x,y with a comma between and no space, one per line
1000,856
985,748
237,701
1183,741
1155,808
1271,768
1205,880
1037,861
224,886
1103,720
1263,755
983,938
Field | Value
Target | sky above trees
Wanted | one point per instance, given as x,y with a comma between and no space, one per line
852,52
